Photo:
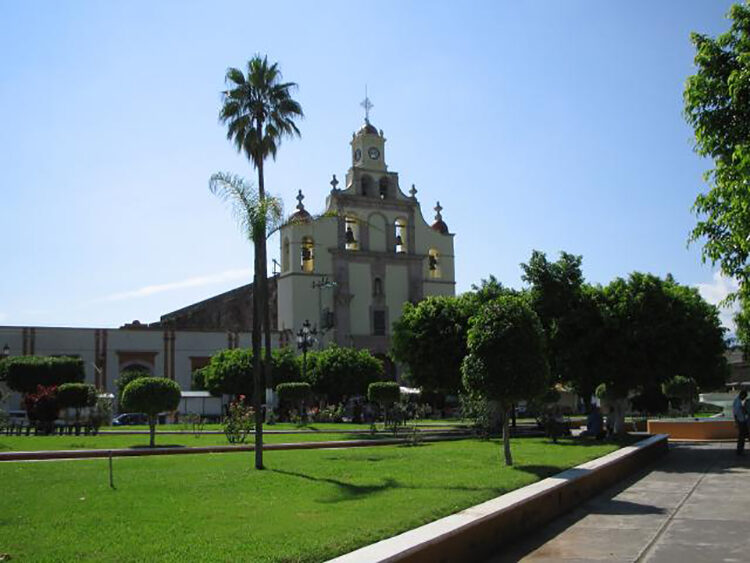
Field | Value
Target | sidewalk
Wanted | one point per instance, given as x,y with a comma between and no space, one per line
693,505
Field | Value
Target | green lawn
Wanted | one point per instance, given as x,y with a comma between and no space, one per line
312,427
307,506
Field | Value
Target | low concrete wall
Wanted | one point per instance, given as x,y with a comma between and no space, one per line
694,429
477,532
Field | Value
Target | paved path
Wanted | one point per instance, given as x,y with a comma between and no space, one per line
691,506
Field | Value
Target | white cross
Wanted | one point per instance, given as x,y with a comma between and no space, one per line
367,104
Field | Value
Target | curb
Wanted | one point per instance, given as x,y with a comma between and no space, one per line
129,452
479,531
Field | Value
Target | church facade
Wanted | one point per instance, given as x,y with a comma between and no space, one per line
351,269
348,272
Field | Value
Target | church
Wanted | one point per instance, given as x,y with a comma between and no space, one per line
348,271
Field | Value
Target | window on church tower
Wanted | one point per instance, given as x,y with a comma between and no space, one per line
383,188
433,263
285,256
400,239
366,185
378,323
377,287
352,233
307,258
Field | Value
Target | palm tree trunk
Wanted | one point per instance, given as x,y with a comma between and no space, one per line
257,374
260,311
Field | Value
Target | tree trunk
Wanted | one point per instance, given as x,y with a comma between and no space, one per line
257,375
619,406
506,437
152,429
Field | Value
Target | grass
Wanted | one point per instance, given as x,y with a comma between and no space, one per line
307,506
284,426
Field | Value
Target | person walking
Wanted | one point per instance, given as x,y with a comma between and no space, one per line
740,419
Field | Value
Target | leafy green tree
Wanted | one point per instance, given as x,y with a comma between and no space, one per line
151,395
25,373
76,396
339,372
230,372
259,112
717,106
286,365
507,360
385,394
683,389
430,339
655,329
126,376
258,217
571,316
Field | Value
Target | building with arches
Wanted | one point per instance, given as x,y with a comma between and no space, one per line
351,269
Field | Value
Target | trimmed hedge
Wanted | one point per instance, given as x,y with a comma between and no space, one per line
25,373
294,391
151,395
76,395
384,392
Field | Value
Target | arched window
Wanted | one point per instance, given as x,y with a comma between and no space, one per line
400,235
352,232
307,255
366,185
383,187
285,256
433,263
377,287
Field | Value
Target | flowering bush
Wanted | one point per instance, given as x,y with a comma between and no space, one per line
239,421
42,407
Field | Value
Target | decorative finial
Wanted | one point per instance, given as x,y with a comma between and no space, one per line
438,209
413,191
300,197
334,183
367,104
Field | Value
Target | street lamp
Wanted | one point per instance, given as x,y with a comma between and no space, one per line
6,352
305,341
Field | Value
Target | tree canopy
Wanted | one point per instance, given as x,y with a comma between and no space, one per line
152,395
25,373
430,339
337,372
717,106
506,359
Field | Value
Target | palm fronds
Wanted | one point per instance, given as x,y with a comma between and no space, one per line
257,218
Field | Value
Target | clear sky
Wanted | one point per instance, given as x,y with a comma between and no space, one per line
538,125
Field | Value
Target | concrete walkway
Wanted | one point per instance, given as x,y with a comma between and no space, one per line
691,506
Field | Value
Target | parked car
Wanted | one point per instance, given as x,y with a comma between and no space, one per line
130,418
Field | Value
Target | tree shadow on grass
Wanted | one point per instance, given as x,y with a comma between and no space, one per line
147,447
349,491
345,491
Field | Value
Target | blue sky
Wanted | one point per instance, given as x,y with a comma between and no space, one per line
538,125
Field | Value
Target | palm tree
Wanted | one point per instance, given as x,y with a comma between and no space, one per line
259,112
257,218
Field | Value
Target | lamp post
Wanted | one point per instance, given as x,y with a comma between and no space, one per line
6,352
323,283
305,341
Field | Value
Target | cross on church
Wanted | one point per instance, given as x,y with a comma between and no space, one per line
334,183
367,104
300,197
438,208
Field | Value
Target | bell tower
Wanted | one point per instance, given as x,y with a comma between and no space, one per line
368,144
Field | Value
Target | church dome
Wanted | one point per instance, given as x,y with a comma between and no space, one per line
367,129
301,216
440,227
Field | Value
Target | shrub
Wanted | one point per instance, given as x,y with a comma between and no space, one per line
682,390
25,373
384,392
239,422
338,372
76,396
151,395
126,376
42,407
295,393
229,372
